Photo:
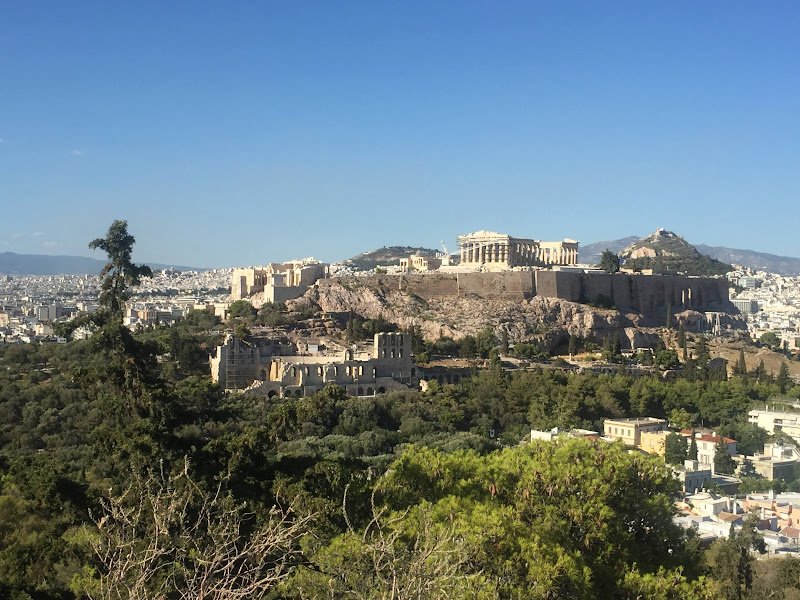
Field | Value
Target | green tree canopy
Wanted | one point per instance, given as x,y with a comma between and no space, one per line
241,308
547,520
609,261
723,461
770,339
675,449
119,272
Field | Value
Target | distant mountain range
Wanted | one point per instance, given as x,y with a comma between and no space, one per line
46,264
589,254
761,261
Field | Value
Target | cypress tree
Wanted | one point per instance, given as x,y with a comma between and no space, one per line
783,379
693,448
607,348
573,345
741,366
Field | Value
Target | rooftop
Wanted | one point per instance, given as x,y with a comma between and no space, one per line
636,421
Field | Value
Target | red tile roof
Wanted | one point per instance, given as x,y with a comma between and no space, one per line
714,438
791,532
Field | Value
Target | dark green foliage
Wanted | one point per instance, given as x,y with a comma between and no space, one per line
358,328
675,255
445,346
574,344
530,351
770,339
666,359
119,273
784,378
521,517
387,256
78,419
723,461
241,308
692,454
761,372
731,563
675,449
740,368
609,261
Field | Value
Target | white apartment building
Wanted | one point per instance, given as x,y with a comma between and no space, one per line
773,421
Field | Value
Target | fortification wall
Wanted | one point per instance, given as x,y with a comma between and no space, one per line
506,285
647,294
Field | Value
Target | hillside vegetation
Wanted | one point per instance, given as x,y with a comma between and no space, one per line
666,252
386,256
125,473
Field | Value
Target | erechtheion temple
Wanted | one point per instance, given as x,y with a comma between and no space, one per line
498,251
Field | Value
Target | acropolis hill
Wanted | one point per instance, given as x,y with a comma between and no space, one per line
516,285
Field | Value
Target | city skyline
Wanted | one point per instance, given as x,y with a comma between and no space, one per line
239,135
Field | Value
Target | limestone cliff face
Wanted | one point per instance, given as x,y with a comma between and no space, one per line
548,320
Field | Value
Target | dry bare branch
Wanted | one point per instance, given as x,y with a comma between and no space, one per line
164,536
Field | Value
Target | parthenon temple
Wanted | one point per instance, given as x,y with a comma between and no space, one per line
497,251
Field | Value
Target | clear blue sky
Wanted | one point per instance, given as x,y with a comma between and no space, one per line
244,132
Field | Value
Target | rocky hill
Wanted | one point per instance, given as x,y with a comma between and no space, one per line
760,261
386,256
667,252
546,320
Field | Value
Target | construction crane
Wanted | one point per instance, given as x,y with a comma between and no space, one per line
444,248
